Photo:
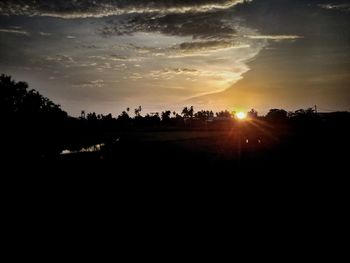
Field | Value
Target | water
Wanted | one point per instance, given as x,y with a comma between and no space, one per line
94,148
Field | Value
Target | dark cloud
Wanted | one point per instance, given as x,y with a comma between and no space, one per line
336,7
204,45
203,25
101,8
296,17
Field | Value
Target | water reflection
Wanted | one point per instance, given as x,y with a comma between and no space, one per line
94,148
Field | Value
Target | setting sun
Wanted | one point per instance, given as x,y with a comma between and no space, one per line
241,115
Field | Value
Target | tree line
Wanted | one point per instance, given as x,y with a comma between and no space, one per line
35,125
18,101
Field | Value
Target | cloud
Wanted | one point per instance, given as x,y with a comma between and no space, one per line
90,8
14,30
62,60
165,73
199,25
206,46
44,34
276,37
99,83
114,57
203,48
163,50
89,64
195,48
118,57
87,46
336,7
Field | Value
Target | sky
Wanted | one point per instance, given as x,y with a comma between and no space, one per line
108,55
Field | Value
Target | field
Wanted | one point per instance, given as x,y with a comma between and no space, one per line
244,145
237,144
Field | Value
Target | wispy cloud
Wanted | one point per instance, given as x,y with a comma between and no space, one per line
14,31
103,8
336,7
44,34
170,72
99,83
276,37
114,57
62,60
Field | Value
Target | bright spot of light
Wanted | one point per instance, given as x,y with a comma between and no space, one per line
241,115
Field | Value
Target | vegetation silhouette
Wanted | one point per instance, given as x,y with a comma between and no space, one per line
32,124
34,127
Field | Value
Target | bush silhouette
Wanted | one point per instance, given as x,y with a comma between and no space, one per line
32,123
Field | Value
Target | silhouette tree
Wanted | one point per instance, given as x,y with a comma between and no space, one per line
82,115
302,112
166,116
91,116
252,114
185,112
124,116
138,111
31,122
188,112
191,112
223,114
202,115
277,115
107,117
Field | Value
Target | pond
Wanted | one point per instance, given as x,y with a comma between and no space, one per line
93,148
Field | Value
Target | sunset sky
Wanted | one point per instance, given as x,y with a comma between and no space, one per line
107,55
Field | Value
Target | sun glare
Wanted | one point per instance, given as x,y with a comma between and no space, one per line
241,115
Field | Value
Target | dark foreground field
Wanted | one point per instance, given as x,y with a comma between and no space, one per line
244,146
